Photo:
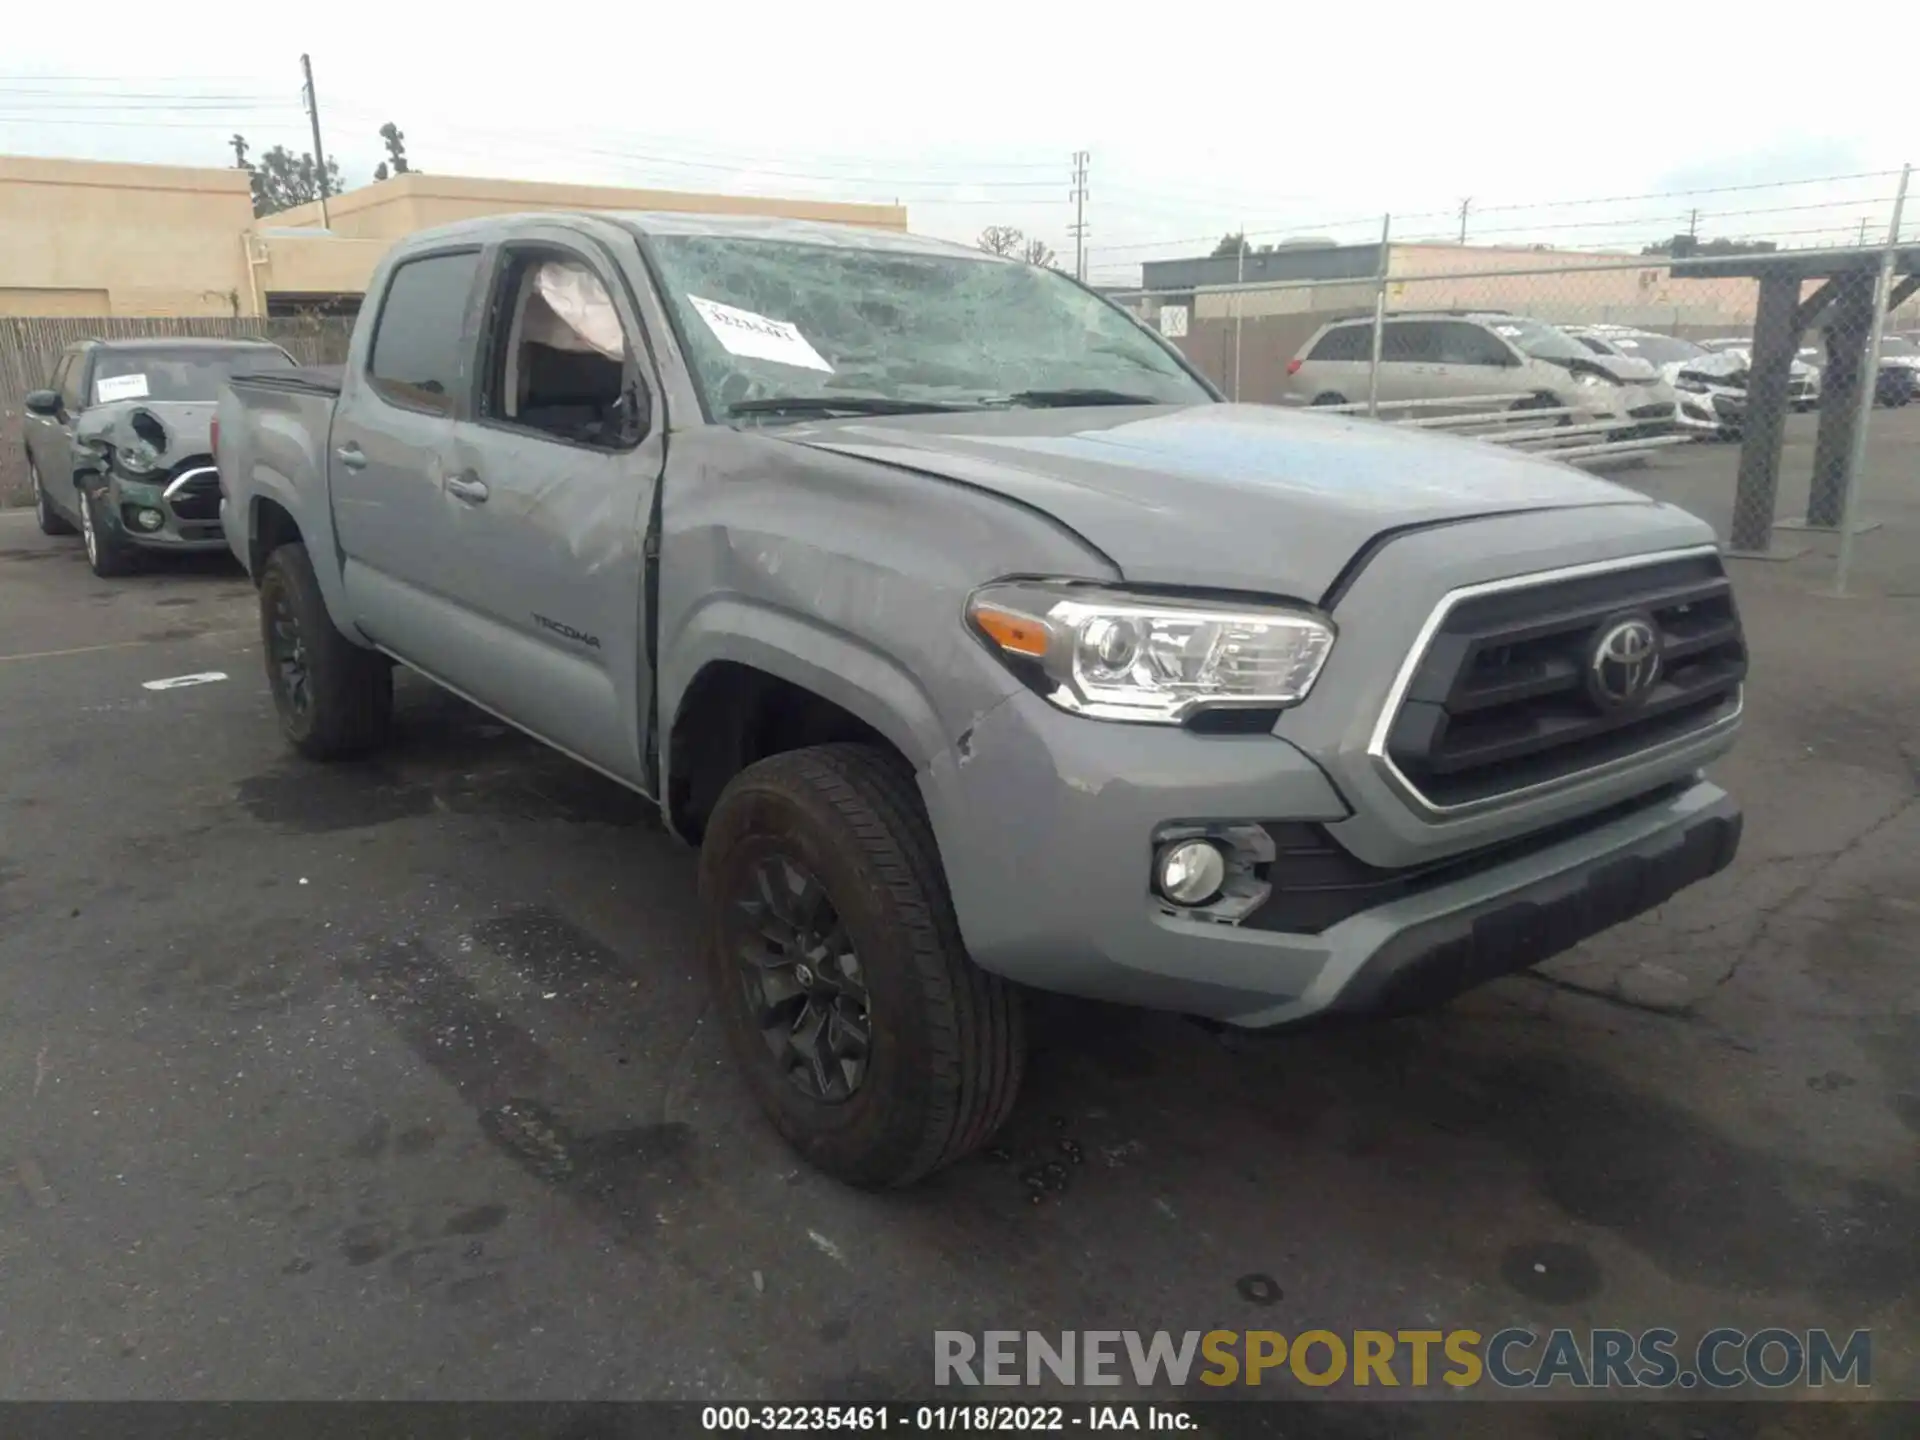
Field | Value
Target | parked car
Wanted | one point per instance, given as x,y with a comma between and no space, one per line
1711,384
1694,411
118,444
1463,356
1898,381
980,645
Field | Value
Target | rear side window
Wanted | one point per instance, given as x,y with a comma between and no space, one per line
420,347
1346,342
72,371
1410,340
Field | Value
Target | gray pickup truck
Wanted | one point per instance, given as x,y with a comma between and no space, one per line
981,646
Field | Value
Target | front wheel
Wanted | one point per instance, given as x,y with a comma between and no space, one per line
335,698
108,553
874,1044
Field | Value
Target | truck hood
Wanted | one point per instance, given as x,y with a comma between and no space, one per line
1235,497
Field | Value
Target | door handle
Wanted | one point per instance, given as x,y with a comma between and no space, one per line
352,456
468,487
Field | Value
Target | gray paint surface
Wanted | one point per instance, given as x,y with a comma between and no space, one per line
838,556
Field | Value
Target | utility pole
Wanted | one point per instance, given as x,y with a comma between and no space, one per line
1863,232
1465,206
1079,227
1693,224
319,155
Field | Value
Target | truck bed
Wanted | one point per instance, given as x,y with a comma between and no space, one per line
311,379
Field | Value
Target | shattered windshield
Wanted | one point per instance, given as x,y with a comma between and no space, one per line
177,373
1656,349
776,324
1543,342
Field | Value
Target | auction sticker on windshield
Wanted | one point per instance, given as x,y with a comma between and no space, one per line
119,387
744,333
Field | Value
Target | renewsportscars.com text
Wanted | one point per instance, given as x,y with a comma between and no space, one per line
1511,1359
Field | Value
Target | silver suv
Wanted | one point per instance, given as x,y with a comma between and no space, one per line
1472,356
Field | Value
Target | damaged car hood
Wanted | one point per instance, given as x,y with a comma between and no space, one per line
152,434
1239,497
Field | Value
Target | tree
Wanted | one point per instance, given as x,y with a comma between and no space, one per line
1681,246
1038,252
1000,239
396,142
283,179
1233,243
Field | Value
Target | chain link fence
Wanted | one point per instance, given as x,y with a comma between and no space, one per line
1601,360
29,349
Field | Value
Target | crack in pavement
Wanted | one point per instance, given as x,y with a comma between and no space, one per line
1769,913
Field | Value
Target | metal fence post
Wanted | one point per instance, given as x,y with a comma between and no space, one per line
1857,452
1379,320
1239,279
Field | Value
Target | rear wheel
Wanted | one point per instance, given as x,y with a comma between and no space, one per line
877,1048
50,520
335,698
108,552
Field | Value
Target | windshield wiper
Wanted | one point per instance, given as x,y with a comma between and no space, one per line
1043,398
840,405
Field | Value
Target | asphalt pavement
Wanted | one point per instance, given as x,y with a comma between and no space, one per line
395,1079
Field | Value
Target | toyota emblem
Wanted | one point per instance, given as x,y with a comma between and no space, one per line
1625,663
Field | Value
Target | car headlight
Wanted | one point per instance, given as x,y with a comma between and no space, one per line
1116,656
1592,378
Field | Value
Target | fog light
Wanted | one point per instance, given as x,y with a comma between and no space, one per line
149,519
1190,872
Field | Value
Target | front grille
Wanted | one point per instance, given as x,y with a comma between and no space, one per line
1651,412
1317,882
1502,701
199,498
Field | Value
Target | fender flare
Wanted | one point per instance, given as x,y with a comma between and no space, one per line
831,663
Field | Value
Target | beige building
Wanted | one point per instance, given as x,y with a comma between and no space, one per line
83,238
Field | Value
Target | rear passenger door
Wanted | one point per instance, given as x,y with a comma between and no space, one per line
1410,362
387,461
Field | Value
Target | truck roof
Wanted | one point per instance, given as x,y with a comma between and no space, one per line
751,227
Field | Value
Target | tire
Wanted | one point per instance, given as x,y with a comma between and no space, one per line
1542,401
1329,397
841,827
50,520
334,698
108,554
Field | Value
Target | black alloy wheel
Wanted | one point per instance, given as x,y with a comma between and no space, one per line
287,655
801,976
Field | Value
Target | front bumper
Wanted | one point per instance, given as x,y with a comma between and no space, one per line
190,514
1047,823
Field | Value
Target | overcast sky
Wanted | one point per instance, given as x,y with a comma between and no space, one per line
1286,120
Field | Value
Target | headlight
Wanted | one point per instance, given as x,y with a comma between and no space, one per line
1116,656
1590,377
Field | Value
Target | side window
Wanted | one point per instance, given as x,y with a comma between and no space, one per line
420,345
557,358
1345,342
1464,344
71,373
1409,341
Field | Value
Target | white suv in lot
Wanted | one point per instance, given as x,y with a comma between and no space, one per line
1470,356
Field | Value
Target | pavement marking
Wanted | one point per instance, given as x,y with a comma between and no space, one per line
177,682
115,645
34,1181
